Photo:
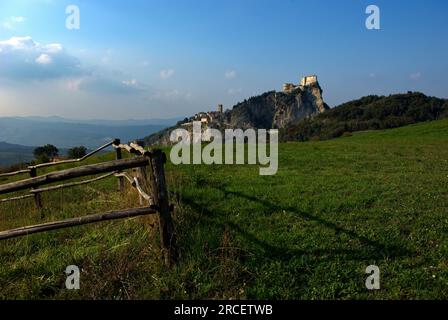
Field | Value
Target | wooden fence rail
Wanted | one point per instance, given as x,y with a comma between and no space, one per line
72,184
49,164
10,174
150,184
17,198
76,222
74,173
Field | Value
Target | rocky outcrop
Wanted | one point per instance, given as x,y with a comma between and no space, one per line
300,103
268,110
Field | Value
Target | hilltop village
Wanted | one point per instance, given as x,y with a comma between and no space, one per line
266,111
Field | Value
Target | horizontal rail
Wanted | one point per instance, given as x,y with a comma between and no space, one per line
72,184
9,174
112,215
17,198
115,165
49,164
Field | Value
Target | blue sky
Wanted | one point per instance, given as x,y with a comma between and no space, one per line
152,59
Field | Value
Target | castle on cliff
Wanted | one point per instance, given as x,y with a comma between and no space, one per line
306,81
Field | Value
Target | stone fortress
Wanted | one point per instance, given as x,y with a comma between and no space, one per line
214,116
306,81
272,109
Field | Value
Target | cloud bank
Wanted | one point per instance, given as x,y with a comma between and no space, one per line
23,59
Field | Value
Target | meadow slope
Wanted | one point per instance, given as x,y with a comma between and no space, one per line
308,232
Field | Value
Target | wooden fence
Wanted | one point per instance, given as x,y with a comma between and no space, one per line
150,184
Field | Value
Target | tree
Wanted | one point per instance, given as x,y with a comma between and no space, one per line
45,153
77,152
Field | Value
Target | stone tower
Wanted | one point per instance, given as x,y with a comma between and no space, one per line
219,108
308,80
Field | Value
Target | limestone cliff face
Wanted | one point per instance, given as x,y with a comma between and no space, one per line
300,103
277,109
268,110
257,112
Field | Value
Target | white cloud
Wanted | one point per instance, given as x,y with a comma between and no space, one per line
131,82
166,73
21,59
100,84
24,60
18,43
415,76
52,48
28,44
17,19
9,23
43,59
230,74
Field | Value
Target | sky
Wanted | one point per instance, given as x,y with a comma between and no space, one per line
172,58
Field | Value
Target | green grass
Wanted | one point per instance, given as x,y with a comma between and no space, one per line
308,232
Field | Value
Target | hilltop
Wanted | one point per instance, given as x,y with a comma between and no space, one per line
300,114
268,110
368,113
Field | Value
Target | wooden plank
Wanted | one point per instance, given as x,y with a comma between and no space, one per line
112,215
72,184
17,198
160,196
9,174
63,175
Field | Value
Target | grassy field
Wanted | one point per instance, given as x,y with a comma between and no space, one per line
308,232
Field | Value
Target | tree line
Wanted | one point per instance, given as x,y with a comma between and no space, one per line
368,113
48,152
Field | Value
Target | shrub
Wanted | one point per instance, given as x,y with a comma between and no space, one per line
77,152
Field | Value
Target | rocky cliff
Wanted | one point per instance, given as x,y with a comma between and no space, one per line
268,110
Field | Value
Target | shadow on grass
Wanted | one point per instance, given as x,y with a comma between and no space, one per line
377,250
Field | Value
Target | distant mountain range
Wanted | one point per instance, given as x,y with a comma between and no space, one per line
100,122
13,153
66,133
20,135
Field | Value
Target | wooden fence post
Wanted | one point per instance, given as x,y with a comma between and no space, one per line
37,198
119,157
160,195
